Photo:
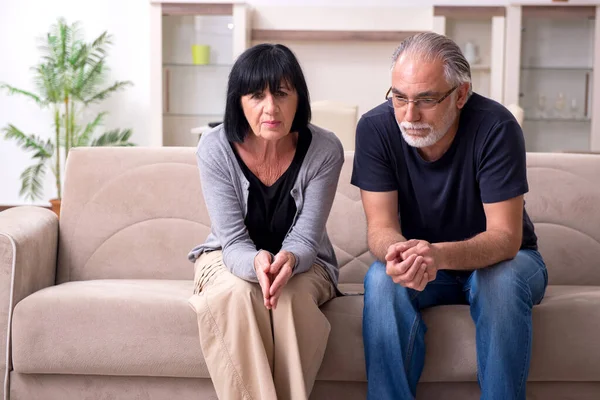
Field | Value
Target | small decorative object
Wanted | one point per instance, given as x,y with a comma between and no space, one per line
559,104
541,105
471,53
200,54
574,107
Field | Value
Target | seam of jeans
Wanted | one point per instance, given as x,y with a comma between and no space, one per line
411,342
414,295
529,286
525,363
237,376
478,371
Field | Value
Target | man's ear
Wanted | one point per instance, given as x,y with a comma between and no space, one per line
463,91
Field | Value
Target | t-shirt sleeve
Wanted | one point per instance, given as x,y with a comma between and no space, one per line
372,170
502,168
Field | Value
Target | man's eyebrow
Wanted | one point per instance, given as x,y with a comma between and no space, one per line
428,93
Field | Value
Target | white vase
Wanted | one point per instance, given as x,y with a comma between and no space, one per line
470,53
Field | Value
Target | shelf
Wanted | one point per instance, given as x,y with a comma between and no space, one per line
559,12
556,119
477,12
217,117
196,9
574,69
178,65
302,35
480,67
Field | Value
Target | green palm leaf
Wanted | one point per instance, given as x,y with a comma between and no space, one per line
88,79
31,181
47,82
115,137
106,92
29,142
97,50
13,90
83,138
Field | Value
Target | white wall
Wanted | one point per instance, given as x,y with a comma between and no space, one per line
21,23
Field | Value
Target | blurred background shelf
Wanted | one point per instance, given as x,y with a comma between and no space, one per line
200,66
558,119
481,67
557,68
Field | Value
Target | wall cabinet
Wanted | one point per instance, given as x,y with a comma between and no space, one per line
198,45
555,73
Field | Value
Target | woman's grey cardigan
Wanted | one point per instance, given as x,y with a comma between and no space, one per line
226,190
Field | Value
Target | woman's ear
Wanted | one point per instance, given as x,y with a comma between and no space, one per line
463,91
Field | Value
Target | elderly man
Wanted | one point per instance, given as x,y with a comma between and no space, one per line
442,175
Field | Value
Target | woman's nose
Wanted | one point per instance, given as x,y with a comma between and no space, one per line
269,103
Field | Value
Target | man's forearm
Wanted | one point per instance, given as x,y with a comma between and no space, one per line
483,250
381,239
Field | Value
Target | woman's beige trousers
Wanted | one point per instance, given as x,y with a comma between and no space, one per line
253,353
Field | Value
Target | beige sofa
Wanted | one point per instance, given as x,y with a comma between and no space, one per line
96,306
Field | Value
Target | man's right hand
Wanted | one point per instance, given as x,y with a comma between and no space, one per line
262,266
410,273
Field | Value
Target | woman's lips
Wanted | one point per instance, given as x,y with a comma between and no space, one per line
271,124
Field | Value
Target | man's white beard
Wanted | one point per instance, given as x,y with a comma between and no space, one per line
427,135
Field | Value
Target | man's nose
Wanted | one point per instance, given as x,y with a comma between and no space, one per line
411,113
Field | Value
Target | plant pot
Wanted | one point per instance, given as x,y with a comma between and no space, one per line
55,206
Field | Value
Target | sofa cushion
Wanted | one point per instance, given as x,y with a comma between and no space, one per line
565,327
109,327
145,327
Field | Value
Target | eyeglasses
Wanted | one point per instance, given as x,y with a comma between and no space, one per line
425,103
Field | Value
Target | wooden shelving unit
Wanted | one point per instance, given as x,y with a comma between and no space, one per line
318,35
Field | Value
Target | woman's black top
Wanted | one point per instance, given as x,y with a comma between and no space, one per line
271,209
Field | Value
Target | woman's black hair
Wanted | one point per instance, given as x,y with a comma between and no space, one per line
262,67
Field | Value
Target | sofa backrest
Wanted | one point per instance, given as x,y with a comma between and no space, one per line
134,213
564,205
130,213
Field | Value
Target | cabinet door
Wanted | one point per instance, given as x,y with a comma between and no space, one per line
197,58
198,45
556,78
554,3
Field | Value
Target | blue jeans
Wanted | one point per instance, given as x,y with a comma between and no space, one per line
501,298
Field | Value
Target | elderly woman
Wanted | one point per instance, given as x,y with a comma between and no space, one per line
268,178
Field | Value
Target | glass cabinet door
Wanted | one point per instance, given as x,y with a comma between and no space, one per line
556,73
197,58
193,49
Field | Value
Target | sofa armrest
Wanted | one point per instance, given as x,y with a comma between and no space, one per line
28,247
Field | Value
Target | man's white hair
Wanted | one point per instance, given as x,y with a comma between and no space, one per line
429,47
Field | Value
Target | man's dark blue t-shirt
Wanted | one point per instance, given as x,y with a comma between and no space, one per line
442,201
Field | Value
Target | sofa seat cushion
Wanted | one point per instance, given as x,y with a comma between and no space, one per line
566,328
109,327
146,328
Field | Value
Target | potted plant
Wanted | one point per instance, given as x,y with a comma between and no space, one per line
69,77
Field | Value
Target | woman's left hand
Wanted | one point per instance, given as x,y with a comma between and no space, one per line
281,271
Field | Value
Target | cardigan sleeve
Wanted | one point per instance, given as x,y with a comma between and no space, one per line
225,208
306,235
